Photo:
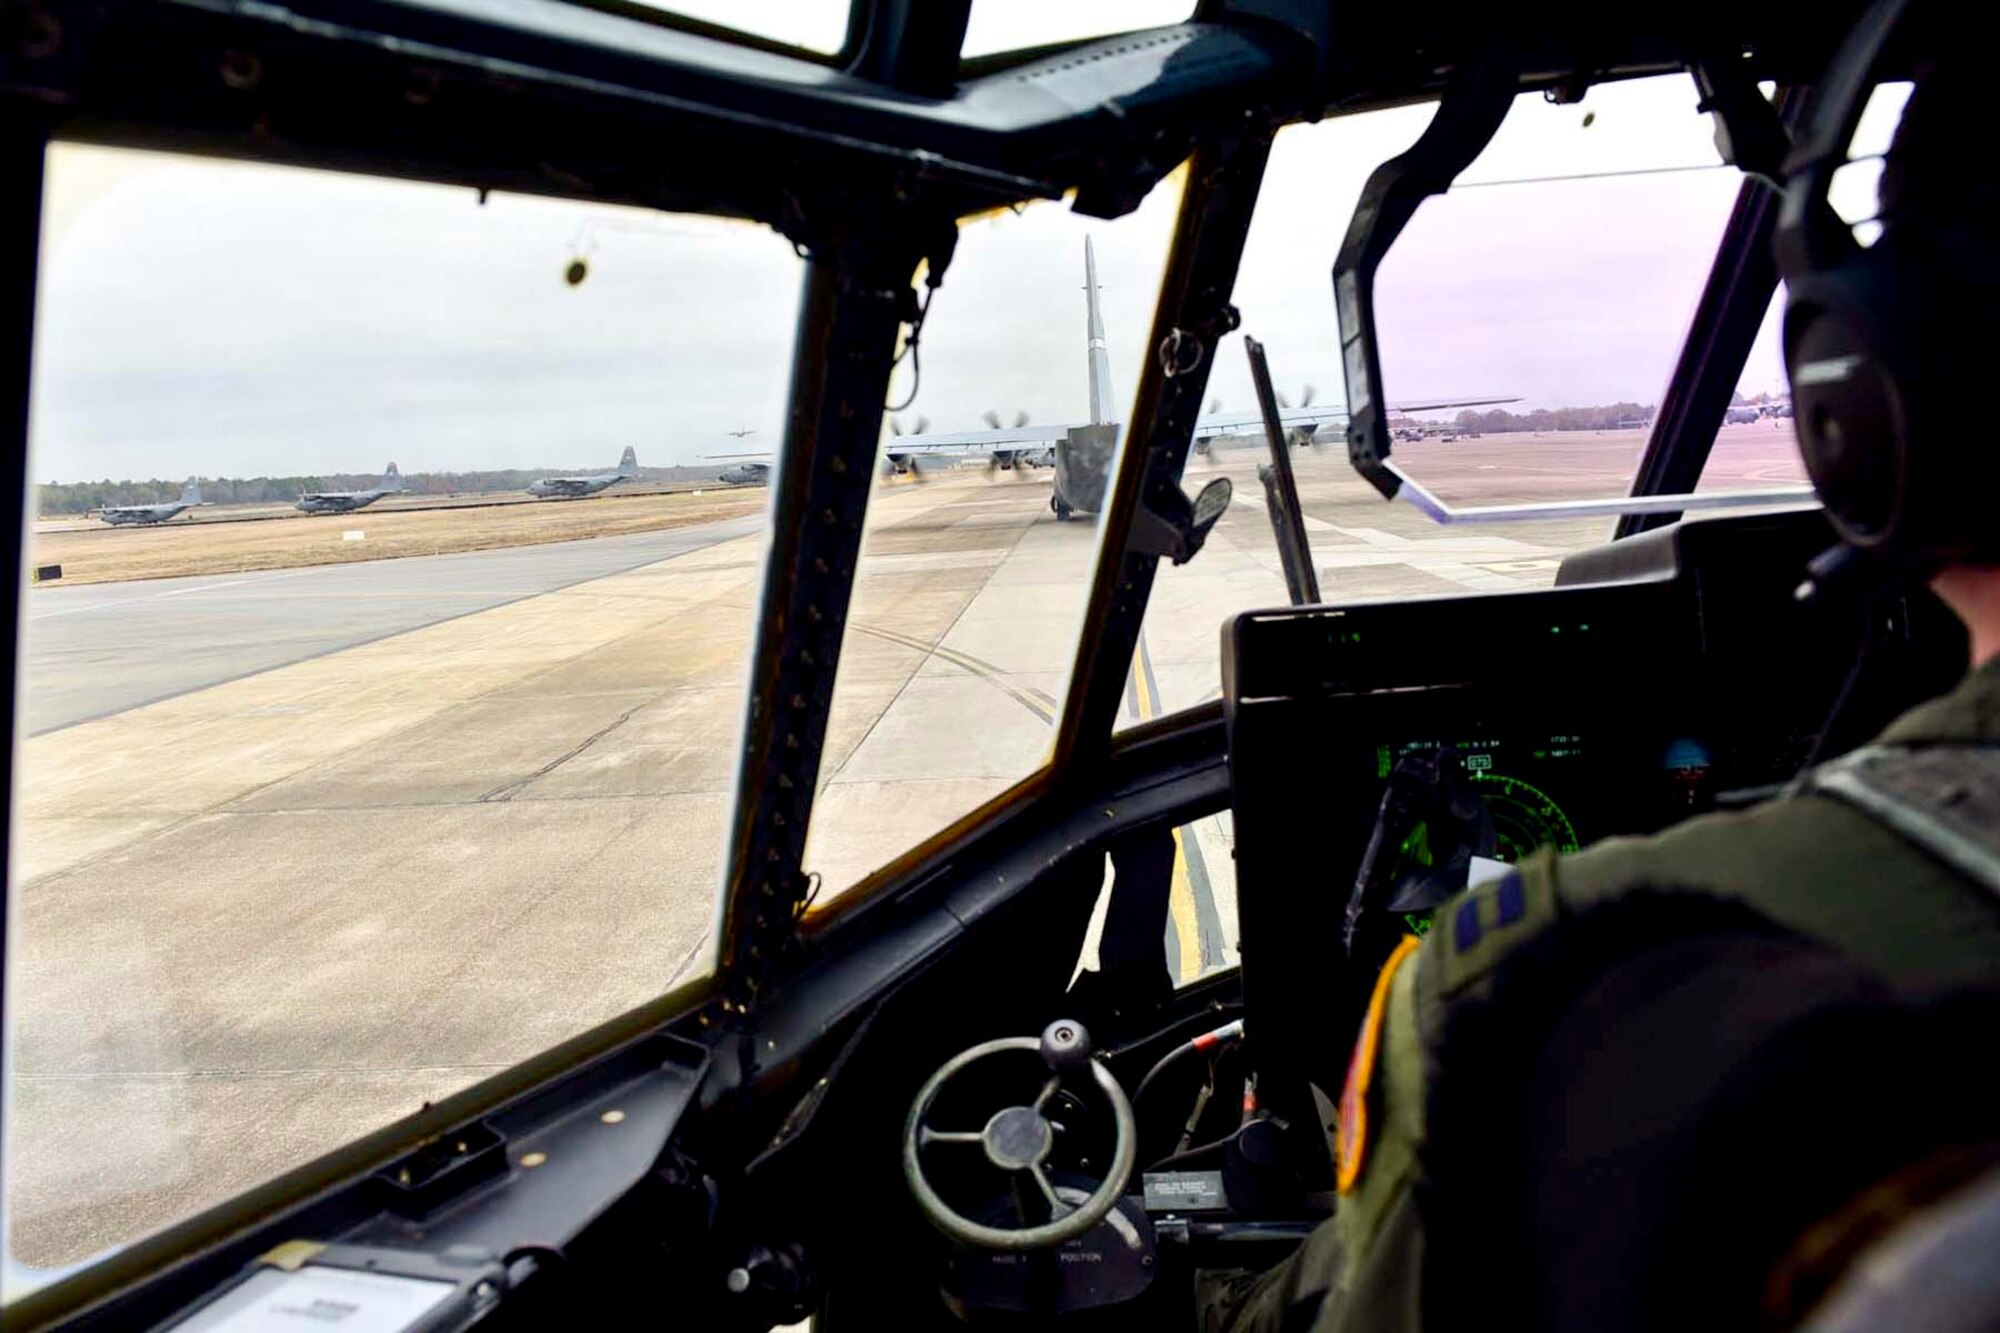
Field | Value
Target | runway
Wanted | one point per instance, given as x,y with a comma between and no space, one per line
299,851
103,648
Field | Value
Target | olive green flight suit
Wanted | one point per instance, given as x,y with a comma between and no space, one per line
1811,864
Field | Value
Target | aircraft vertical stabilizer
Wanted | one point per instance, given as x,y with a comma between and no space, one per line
1101,406
628,463
191,492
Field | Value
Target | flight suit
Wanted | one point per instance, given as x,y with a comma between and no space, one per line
1808,863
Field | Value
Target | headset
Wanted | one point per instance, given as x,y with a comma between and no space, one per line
1878,338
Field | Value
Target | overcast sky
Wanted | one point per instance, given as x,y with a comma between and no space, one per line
231,320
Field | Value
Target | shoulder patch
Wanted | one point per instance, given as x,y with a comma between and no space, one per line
1351,1143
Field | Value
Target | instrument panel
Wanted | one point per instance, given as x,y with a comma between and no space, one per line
1664,677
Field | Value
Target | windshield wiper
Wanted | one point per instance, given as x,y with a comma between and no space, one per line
1281,490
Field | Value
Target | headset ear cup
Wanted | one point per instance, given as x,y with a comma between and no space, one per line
1848,404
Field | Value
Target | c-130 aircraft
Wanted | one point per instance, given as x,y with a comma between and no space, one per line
120,516
345,502
575,488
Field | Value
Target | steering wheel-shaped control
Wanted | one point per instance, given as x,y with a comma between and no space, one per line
1018,1139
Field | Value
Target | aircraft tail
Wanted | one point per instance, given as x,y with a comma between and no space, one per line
191,492
391,478
628,463
1101,405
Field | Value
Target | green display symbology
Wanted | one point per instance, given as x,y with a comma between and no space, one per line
1525,819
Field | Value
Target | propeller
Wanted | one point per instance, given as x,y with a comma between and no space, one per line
1307,434
1214,406
992,419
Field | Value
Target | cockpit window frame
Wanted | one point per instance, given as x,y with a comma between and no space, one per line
1212,223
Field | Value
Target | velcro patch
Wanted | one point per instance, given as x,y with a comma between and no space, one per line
1490,922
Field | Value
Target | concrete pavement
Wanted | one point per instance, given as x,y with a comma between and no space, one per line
281,904
102,648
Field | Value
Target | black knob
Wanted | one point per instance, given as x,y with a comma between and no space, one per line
1065,1045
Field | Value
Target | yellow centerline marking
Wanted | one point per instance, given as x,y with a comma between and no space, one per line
1180,894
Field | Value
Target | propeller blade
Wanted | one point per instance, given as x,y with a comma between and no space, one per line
1306,398
992,419
923,424
1283,401
895,426
1020,420
1214,406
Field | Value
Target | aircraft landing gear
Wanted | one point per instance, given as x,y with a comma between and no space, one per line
1062,508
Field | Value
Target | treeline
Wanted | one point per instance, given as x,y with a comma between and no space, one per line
1611,416
81,497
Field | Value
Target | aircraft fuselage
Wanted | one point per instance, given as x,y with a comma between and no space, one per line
141,515
338,502
570,488
1082,461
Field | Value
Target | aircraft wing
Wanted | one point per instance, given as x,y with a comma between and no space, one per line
958,442
1439,404
963,442
1218,423
972,441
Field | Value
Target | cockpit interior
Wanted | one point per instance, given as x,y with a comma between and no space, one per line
974,1088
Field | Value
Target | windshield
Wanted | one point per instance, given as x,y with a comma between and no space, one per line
1757,444
982,532
397,743
1529,320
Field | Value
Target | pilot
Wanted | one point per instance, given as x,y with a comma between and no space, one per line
1681,1081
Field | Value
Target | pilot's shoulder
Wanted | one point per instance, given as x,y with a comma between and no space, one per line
1807,864
1799,861
1762,854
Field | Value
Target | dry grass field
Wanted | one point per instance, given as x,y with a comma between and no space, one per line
97,553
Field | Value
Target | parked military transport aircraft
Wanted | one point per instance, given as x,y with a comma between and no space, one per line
343,502
1081,452
127,515
575,488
